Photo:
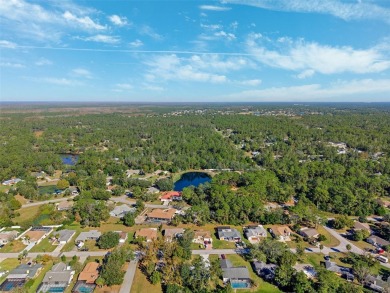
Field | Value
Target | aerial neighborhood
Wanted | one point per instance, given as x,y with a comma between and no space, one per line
97,217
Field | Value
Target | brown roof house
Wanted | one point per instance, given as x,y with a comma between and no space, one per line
7,236
172,233
161,215
87,278
65,205
309,232
280,232
203,237
149,234
361,226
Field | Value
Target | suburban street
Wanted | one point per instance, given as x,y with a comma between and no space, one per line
38,203
214,251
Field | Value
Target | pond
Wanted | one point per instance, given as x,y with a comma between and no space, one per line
69,159
191,178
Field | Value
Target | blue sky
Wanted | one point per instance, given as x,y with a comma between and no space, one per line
238,50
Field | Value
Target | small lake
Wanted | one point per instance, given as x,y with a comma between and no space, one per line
191,178
69,159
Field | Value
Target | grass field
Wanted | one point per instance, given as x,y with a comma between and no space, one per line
48,189
14,246
330,240
26,214
141,284
8,265
44,246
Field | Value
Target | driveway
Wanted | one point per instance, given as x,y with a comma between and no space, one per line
214,251
129,277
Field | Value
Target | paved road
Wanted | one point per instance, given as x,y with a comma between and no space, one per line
129,277
124,199
214,251
56,254
38,203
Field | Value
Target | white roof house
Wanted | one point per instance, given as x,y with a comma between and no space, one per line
121,211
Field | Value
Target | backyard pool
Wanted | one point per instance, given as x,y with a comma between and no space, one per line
239,285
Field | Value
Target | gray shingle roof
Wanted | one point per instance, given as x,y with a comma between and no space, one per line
236,273
58,273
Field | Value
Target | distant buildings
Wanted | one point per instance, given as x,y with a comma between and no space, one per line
228,234
161,215
11,181
309,232
121,211
255,233
149,234
280,232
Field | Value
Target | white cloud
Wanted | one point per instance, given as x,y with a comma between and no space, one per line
151,87
136,44
124,86
214,8
102,39
82,72
234,25
311,57
347,10
306,73
117,20
148,31
338,91
171,67
43,61
56,81
211,26
11,65
85,22
7,44
250,82
216,63
225,35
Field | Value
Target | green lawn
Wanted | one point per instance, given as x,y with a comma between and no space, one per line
8,265
44,246
49,189
260,285
14,246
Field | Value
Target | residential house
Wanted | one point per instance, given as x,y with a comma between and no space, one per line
203,237
378,283
7,236
149,234
172,233
36,235
161,215
57,279
228,234
152,190
38,175
19,276
84,236
121,211
64,205
339,270
11,181
73,190
238,277
169,196
280,232
122,236
377,241
255,233
361,226
64,236
309,232
87,278
264,270
129,173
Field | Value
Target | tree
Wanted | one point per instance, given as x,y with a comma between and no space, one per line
321,247
129,219
300,250
108,240
359,235
155,278
100,282
348,247
62,184
301,283
164,184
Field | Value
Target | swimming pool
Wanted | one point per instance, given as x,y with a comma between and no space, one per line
239,285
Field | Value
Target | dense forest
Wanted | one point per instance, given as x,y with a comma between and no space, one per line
336,158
